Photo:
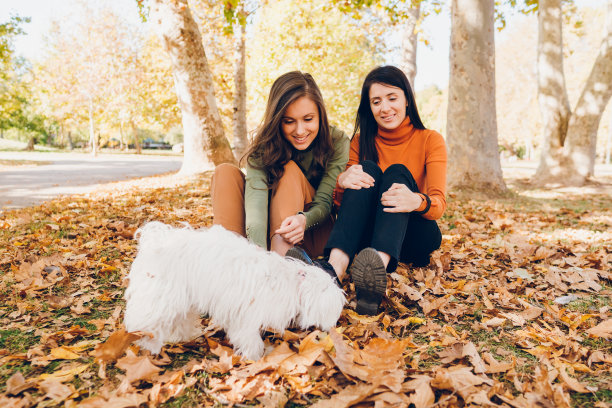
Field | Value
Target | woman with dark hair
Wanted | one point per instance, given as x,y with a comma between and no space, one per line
291,170
392,191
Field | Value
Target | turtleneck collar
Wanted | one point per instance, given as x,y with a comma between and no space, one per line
397,135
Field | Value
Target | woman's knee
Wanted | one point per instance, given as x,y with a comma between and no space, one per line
397,168
227,170
371,168
291,169
397,172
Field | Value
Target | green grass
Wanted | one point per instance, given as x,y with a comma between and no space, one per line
584,400
17,341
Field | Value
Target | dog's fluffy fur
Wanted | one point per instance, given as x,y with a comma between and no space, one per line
180,273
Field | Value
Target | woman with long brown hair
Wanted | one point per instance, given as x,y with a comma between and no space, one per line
291,170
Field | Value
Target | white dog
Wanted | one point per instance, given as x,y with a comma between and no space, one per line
180,273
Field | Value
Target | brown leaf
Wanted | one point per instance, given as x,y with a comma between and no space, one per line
137,368
273,399
459,350
17,383
59,302
572,383
409,292
423,394
226,361
57,391
458,379
114,346
344,358
131,400
495,366
603,329
517,320
599,357
531,313
349,396
80,308
494,322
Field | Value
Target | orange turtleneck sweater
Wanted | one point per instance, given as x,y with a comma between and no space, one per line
423,152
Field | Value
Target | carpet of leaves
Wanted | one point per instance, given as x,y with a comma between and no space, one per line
513,311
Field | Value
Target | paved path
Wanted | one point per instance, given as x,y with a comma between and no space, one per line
71,173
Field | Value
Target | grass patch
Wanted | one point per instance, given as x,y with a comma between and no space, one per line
17,341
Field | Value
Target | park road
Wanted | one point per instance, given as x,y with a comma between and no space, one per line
70,173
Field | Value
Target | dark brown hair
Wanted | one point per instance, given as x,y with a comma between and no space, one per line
365,123
270,151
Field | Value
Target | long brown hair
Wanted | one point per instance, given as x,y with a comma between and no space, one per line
270,151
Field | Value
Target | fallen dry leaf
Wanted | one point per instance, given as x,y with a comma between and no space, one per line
114,346
17,384
603,329
137,368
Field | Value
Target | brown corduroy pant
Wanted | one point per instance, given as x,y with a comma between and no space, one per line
293,194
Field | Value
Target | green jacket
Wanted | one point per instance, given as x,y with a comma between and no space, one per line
256,190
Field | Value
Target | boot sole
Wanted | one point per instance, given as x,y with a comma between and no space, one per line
370,279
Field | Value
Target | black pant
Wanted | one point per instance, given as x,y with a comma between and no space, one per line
362,223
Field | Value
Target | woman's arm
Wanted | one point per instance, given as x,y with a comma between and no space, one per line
435,165
256,206
353,160
321,204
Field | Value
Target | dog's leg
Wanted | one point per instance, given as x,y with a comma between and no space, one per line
246,339
185,328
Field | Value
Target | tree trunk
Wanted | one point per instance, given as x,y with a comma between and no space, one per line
240,94
137,145
472,125
92,136
31,143
121,137
608,142
552,94
410,42
581,144
204,140
69,138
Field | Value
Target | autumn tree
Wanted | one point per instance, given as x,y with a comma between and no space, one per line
326,43
568,152
403,17
204,138
84,66
15,88
471,118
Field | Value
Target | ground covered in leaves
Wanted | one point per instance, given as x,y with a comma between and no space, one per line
513,310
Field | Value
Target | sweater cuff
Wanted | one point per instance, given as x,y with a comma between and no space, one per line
426,204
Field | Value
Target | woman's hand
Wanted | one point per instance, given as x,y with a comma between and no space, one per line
355,178
292,228
399,198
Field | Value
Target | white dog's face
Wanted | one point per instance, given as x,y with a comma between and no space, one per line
321,301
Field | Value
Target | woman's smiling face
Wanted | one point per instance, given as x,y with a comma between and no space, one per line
300,123
388,105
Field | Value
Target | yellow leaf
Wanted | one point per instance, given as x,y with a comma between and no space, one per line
62,353
65,375
416,320
362,318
